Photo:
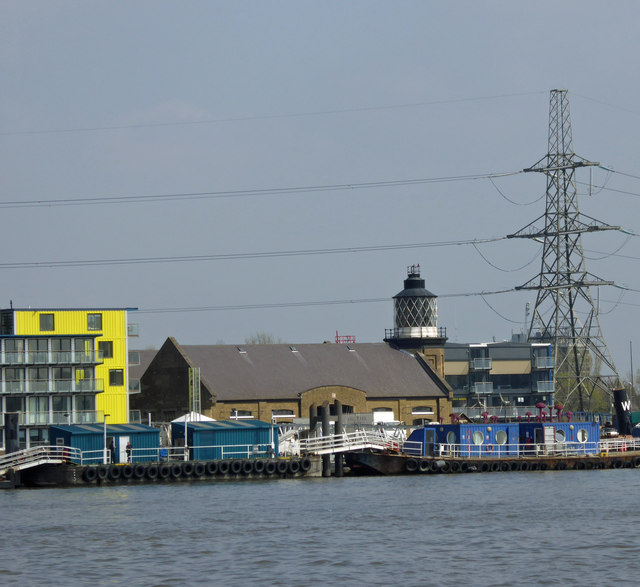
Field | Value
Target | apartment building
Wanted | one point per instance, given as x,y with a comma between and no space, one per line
507,376
63,366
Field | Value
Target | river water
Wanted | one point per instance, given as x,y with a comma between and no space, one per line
557,528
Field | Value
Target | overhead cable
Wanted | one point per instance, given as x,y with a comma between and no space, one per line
264,116
300,304
93,200
234,256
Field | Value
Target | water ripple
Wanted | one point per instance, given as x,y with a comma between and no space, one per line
572,528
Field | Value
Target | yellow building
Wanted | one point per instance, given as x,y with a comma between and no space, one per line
64,366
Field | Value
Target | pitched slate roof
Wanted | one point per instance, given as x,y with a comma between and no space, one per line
274,371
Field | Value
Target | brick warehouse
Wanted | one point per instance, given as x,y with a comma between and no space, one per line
281,381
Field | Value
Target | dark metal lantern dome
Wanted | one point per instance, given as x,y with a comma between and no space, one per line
415,310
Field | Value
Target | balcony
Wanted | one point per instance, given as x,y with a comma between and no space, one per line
46,386
545,363
60,418
418,332
481,364
482,387
52,358
544,386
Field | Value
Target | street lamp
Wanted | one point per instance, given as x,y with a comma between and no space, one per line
104,456
186,445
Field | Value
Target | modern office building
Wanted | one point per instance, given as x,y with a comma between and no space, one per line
63,366
507,378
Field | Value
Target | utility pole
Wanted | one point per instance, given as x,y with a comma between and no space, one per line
564,313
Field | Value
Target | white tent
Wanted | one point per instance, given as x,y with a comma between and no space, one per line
193,417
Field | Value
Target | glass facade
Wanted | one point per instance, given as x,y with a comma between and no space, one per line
48,380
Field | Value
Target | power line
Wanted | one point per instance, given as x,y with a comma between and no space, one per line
513,201
235,256
300,304
498,313
93,200
608,189
608,104
264,116
484,258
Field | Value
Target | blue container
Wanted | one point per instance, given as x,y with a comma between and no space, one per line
227,439
421,442
478,440
464,440
89,438
560,437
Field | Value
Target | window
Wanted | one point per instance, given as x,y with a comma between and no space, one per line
46,322
501,437
561,435
582,435
39,405
83,350
61,350
14,350
426,410
38,378
106,348
37,350
116,377
85,403
62,378
15,404
478,437
421,422
134,357
14,380
94,321
241,415
279,414
61,403
451,437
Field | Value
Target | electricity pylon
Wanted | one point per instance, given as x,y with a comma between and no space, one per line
564,314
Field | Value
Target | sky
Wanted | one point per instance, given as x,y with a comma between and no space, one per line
247,103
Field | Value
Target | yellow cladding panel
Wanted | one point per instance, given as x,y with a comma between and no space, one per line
71,322
115,405
456,367
113,400
511,367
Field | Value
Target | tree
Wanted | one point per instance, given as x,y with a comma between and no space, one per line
262,338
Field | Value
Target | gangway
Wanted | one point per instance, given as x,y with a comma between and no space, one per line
38,455
338,443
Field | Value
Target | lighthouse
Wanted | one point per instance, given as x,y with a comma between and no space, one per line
415,314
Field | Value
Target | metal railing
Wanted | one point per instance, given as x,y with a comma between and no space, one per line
503,412
53,386
482,387
40,455
544,362
51,358
207,452
551,449
67,417
418,332
351,441
544,386
481,363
